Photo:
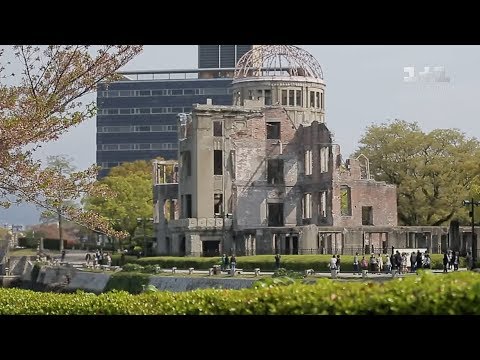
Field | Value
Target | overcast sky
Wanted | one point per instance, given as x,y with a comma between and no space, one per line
364,85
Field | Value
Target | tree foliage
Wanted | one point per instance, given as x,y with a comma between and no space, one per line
43,103
61,165
132,185
433,171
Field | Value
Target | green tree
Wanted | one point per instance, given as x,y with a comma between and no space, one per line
61,198
433,171
132,184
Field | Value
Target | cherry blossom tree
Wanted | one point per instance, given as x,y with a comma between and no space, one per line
43,103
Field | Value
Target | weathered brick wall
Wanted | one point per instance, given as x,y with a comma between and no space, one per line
380,196
253,149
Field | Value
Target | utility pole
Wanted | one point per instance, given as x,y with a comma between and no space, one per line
474,237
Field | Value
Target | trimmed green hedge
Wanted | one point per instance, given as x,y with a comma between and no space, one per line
319,263
130,282
454,293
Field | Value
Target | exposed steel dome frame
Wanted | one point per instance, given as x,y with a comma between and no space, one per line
271,61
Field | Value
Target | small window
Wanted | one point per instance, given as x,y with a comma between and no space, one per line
177,92
312,98
298,97
217,203
323,204
142,128
345,201
284,97
308,162
144,93
125,93
367,215
144,146
291,97
188,92
317,101
217,162
188,205
268,97
273,130
157,110
275,214
217,128
144,111
125,111
322,101
324,159
275,171
158,92
307,206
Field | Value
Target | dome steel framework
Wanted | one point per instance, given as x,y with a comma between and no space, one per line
277,61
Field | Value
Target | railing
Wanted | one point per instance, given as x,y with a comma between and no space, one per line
318,251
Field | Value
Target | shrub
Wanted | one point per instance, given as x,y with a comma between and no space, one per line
130,282
426,294
151,269
132,268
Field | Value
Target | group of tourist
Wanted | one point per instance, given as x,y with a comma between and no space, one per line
98,258
402,263
227,263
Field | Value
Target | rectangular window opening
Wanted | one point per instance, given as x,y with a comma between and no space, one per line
217,128
367,215
307,206
345,201
308,162
275,171
284,97
188,205
273,130
275,214
218,204
217,162
298,95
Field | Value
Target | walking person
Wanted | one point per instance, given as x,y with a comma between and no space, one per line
355,265
413,261
455,259
380,263
277,261
338,264
233,264
333,263
445,262
223,262
469,260
388,265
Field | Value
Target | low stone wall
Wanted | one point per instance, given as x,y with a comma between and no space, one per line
170,283
89,281
96,282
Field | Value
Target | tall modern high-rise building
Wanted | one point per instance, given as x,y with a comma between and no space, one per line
137,115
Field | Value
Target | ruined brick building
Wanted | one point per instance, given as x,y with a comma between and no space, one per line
264,175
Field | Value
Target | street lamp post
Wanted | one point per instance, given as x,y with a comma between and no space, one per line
473,203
